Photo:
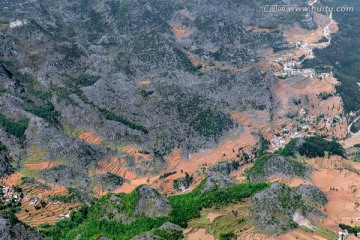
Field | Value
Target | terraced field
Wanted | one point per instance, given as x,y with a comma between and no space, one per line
49,214
90,138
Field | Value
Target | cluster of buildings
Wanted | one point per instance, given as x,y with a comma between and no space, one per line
9,193
278,142
292,67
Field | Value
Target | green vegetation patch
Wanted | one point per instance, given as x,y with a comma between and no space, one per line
113,117
259,166
74,196
264,145
168,234
350,229
125,203
46,111
185,61
13,127
312,147
2,147
210,123
129,202
317,146
188,206
290,149
86,223
355,127
270,165
183,182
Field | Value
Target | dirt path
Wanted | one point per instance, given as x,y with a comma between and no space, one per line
200,234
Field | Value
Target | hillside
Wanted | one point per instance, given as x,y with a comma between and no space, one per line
170,119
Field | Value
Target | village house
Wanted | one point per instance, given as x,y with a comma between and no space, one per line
33,201
63,216
343,234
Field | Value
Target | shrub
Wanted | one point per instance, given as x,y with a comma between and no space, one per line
13,127
2,147
46,111
227,236
113,117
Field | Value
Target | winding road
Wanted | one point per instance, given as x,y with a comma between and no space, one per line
349,127
327,31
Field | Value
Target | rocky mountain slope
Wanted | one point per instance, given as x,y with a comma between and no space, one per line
279,208
107,107
122,64
16,231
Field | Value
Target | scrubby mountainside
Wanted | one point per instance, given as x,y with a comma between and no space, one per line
126,78
155,119
82,79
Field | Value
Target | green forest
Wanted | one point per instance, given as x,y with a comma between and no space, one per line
313,147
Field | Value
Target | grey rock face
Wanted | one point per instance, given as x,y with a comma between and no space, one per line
217,181
273,209
108,181
151,203
66,175
312,194
308,21
146,236
221,167
103,238
145,202
170,226
279,166
16,232
4,229
5,167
